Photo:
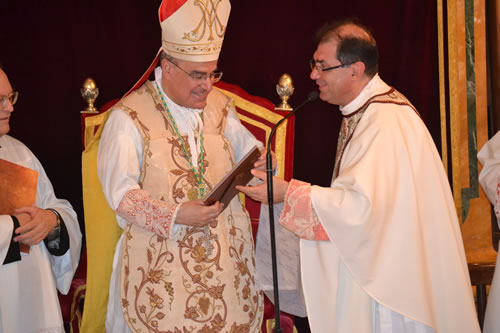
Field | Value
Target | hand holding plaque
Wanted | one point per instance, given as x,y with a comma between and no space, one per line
240,174
18,189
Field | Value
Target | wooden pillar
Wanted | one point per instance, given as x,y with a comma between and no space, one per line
465,118
493,41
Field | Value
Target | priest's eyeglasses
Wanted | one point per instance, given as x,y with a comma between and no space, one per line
315,65
215,76
12,98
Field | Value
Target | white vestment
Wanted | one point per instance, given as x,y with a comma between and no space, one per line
28,295
395,259
489,178
119,166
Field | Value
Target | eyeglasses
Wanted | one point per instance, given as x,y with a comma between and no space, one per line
12,98
315,66
215,76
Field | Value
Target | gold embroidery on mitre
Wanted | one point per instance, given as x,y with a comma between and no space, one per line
209,18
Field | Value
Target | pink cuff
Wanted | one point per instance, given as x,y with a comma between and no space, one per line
138,207
298,215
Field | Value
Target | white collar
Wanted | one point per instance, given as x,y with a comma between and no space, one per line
373,87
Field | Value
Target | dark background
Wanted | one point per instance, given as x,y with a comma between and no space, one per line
48,48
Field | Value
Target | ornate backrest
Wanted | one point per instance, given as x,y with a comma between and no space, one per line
102,230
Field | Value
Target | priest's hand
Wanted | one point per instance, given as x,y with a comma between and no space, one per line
38,225
261,162
196,214
259,192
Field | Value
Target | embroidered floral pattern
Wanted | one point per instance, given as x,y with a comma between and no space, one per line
347,128
200,279
185,184
244,281
298,216
156,216
154,295
199,253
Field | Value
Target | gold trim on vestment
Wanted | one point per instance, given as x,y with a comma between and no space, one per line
442,88
455,109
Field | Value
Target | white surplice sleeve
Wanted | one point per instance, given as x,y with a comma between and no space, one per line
6,229
240,137
489,177
118,166
64,266
119,159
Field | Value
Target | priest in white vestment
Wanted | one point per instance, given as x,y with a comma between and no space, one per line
29,279
381,248
489,178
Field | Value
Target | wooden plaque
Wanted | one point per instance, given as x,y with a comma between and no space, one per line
240,174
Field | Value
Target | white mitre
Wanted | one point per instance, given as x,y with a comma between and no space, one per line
193,30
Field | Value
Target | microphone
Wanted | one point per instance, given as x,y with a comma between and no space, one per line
311,97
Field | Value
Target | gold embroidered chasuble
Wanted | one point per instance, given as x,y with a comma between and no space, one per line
201,279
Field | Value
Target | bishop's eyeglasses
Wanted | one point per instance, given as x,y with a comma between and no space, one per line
214,76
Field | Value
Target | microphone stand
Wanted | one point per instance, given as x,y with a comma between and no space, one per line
270,195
